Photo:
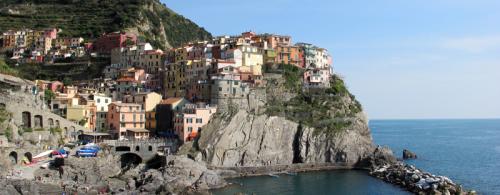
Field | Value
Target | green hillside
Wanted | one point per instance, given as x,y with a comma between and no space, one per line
153,21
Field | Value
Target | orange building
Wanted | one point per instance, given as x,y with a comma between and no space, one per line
9,39
293,55
123,116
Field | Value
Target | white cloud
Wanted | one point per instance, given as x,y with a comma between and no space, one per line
473,44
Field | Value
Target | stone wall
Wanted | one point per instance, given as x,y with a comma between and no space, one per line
29,110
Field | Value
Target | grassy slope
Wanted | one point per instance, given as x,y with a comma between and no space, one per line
329,109
91,18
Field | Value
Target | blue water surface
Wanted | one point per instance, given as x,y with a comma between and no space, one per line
467,151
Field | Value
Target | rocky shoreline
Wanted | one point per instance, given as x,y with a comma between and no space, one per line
417,181
236,172
182,175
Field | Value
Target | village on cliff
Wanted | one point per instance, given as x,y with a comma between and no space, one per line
147,93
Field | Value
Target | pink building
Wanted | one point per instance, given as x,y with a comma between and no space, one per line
108,42
191,120
139,75
50,33
317,78
122,117
56,86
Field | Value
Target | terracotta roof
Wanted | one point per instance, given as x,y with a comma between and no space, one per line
170,100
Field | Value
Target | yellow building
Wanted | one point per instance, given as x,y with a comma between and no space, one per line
251,56
83,113
151,61
174,80
148,101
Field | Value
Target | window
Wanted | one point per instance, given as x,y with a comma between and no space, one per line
123,117
122,124
190,129
98,100
199,120
106,101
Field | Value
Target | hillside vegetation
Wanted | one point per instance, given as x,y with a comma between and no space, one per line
328,110
150,19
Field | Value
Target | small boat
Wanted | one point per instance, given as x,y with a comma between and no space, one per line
274,175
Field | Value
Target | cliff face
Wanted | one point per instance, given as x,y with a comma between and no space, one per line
150,19
288,126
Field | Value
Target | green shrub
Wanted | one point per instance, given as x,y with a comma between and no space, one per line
55,130
39,129
27,129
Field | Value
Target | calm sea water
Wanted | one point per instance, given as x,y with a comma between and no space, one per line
468,151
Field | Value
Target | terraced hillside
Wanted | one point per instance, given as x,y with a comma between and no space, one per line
153,21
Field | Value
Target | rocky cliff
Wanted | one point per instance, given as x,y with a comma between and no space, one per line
288,125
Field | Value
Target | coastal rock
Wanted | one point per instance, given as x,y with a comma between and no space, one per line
407,154
180,175
247,139
415,180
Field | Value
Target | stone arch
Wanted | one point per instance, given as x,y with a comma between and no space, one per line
13,157
38,121
150,148
137,148
51,123
130,159
122,149
58,124
29,156
26,116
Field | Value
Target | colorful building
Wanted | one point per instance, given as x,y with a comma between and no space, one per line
110,41
148,101
317,78
123,116
190,121
83,114
151,61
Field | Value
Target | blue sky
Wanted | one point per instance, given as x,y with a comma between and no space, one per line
402,59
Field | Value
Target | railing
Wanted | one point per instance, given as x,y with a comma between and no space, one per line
139,141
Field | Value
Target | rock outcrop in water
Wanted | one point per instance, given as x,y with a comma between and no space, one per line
409,154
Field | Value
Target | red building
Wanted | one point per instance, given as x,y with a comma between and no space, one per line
107,42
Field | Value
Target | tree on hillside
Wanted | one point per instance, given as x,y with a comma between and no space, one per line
49,96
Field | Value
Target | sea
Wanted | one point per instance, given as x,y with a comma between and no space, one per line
467,151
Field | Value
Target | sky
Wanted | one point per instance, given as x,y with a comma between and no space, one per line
412,59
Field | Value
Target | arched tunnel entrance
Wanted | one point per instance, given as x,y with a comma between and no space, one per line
13,157
130,160
28,156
